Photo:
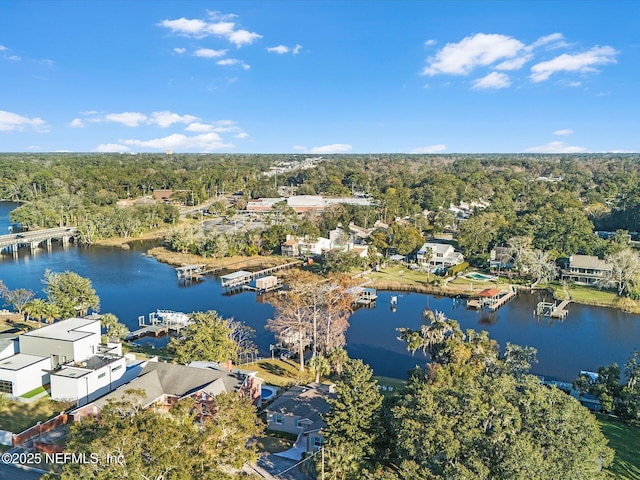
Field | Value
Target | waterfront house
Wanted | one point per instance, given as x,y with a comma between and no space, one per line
441,255
68,355
585,270
501,258
299,411
290,248
164,384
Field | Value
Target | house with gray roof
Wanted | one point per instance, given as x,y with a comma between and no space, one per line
586,270
162,385
299,411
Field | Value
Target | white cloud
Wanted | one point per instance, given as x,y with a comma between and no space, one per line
180,51
514,63
2,47
209,53
299,147
166,118
241,135
430,43
200,128
77,123
233,61
242,37
205,142
556,39
221,28
556,147
333,148
14,58
130,119
216,15
111,148
581,62
282,49
12,121
563,132
494,80
183,26
473,51
199,29
430,149
574,84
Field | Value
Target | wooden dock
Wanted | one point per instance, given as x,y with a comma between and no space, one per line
560,311
242,277
491,298
189,272
155,330
493,306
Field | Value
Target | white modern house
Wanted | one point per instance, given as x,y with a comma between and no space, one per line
439,255
67,355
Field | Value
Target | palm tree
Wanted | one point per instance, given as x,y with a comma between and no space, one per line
51,312
36,308
337,358
319,366
115,329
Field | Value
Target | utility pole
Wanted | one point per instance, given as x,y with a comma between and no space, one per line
322,456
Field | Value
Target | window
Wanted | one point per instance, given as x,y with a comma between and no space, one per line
116,368
318,441
6,387
298,423
102,375
278,419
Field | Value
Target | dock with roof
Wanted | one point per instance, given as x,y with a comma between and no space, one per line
491,298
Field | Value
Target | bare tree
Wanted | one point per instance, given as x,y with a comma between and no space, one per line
625,270
540,266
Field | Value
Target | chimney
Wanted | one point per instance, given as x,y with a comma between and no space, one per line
229,364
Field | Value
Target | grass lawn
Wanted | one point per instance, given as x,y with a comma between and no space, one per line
273,444
399,273
17,416
278,372
396,383
625,440
34,392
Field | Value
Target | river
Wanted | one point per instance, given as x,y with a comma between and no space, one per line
130,284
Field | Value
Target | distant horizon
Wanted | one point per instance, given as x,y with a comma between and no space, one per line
317,78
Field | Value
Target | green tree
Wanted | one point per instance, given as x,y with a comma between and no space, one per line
180,444
36,308
474,414
72,294
115,329
352,428
207,337
319,366
51,312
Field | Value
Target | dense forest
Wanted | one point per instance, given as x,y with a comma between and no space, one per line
558,201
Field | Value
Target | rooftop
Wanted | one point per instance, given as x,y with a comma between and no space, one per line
69,330
308,402
20,361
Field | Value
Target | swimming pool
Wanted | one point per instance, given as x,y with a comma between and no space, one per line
481,277
268,393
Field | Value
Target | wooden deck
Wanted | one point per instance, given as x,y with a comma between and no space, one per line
493,306
561,310
246,277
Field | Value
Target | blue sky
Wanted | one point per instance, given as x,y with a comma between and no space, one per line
320,76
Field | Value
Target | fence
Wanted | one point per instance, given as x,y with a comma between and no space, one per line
39,429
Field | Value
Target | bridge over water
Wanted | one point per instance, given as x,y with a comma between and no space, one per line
33,239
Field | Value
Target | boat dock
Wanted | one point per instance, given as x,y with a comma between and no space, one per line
160,322
189,272
552,310
491,298
237,280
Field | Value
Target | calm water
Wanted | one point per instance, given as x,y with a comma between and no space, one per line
130,284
